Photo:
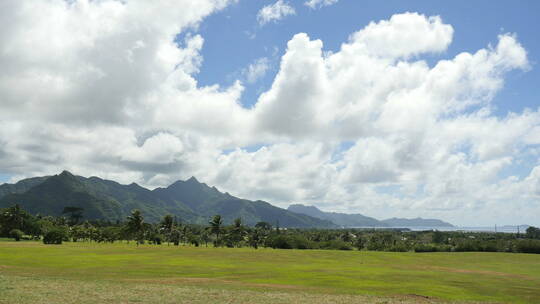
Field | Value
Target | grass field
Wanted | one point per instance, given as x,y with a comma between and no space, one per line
31,272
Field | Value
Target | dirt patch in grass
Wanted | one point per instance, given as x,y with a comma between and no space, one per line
195,281
418,298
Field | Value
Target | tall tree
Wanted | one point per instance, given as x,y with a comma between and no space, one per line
237,232
216,227
13,218
176,235
75,214
263,226
205,237
166,227
533,233
254,237
135,225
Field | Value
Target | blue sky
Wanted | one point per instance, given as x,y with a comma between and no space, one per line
234,39
388,126
229,46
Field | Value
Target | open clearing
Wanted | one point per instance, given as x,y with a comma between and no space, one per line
31,272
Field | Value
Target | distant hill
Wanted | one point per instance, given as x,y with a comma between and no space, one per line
416,222
359,220
340,219
189,200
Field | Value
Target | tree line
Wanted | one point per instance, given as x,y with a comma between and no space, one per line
18,224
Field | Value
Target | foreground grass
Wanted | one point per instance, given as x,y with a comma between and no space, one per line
31,272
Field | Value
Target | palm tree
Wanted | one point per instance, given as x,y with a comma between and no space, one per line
205,237
166,226
135,225
237,231
254,238
216,227
176,235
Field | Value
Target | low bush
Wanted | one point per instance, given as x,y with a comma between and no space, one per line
528,246
283,241
300,242
467,245
489,246
336,245
425,248
432,248
279,242
16,234
54,236
399,247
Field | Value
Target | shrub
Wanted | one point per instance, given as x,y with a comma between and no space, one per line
528,246
468,245
280,242
444,248
54,236
16,234
399,247
425,248
489,246
300,242
336,245
375,245
157,239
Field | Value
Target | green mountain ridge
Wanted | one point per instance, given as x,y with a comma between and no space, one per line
191,201
359,220
340,219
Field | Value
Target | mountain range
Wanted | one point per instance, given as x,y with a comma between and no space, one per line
359,220
191,201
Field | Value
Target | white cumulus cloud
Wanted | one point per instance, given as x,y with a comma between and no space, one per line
275,12
257,69
314,4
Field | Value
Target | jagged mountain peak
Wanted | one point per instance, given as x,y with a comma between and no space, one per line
193,179
65,178
66,173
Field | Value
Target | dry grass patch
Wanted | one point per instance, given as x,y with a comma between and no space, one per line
33,290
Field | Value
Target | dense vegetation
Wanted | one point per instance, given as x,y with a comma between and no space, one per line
18,224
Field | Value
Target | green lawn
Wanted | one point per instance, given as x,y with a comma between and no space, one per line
31,272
